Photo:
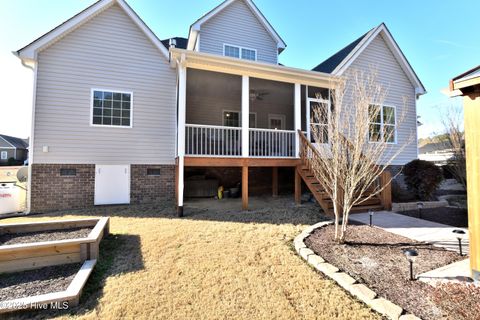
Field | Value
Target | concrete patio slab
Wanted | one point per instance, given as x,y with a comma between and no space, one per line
416,229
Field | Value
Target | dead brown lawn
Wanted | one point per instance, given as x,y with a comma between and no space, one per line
212,264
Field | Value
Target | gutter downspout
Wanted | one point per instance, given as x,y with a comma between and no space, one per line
34,68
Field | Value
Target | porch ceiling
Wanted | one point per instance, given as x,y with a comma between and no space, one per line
210,62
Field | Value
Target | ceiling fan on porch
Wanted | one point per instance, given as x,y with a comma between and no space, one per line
257,94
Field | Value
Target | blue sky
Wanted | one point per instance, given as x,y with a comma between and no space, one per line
434,35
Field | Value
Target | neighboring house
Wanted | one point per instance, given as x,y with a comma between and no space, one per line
13,148
468,85
143,114
437,152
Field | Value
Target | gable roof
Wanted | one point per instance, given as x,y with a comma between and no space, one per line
29,52
196,26
340,61
181,42
15,142
331,63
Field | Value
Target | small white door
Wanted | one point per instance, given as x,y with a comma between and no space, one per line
112,184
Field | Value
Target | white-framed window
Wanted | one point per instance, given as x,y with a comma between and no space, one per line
276,121
234,119
4,155
239,52
319,115
111,108
382,123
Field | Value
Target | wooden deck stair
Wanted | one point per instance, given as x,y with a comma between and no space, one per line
378,202
325,202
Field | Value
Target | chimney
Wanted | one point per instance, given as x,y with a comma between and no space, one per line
172,43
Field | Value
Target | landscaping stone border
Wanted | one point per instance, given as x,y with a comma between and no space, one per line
358,290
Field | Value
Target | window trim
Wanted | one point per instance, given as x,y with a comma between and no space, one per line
309,124
92,90
2,153
239,118
382,124
277,116
239,51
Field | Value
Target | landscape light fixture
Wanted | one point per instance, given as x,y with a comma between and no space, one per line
420,207
460,234
370,214
410,254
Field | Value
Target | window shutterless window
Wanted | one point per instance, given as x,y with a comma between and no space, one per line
239,52
231,51
382,123
233,119
4,155
111,108
249,54
319,113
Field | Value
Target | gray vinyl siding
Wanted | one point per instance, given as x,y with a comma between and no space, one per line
5,144
400,93
237,25
10,154
107,52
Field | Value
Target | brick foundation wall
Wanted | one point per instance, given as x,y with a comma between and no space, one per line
51,191
152,188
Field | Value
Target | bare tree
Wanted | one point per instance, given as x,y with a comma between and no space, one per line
351,140
454,139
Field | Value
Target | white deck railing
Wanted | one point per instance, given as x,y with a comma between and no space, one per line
272,143
203,140
221,141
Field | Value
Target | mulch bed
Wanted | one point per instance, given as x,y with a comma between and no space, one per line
54,235
35,282
375,257
455,217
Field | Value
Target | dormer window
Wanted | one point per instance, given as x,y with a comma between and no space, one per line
239,52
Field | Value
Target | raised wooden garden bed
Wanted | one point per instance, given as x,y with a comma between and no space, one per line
33,255
22,252
59,300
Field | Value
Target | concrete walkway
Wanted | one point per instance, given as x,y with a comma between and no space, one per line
416,229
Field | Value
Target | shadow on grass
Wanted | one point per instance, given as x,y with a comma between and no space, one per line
281,210
119,254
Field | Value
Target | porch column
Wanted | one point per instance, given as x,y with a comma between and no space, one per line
297,117
245,115
245,187
182,108
275,182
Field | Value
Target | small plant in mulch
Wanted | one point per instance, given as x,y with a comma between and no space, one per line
459,299
423,178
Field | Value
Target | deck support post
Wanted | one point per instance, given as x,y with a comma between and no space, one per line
298,187
245,187
297,117
182,109
275,182
245,115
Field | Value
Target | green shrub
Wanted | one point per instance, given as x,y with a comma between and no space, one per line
423,178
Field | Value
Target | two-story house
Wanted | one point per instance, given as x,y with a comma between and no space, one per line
120,116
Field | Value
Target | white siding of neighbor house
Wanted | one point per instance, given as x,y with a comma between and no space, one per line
107,52
237,25
400,93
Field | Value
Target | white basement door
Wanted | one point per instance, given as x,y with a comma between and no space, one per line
112,184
